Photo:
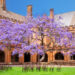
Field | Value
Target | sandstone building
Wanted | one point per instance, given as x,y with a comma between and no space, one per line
50,56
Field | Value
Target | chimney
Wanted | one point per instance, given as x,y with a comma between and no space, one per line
3,4
29,10
52,13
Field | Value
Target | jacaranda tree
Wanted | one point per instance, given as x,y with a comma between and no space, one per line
36,35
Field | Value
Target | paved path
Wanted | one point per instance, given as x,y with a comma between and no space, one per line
41,65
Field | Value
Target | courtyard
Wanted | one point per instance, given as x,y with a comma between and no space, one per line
39,41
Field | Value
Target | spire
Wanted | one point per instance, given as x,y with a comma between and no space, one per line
29,10
3,4
52,13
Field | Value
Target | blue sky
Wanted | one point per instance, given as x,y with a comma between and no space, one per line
40,6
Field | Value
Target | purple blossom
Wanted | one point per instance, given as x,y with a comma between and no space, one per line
20,55
21,33
14,52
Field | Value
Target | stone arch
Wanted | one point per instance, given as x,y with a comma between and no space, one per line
40,56
27,57
15,58
2,56
59,56
72,56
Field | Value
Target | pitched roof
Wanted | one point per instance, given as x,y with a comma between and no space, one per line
67,18
12,15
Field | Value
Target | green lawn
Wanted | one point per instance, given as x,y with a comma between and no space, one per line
18,71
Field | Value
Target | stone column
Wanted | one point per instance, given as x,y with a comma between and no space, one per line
7,56
34,58
66,57
50,56
21,59
48,53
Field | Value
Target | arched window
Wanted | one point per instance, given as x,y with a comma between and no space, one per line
59,56
2,56
72,56
27,57
45,58
15,58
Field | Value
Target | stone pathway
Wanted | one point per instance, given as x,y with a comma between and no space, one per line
41,65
